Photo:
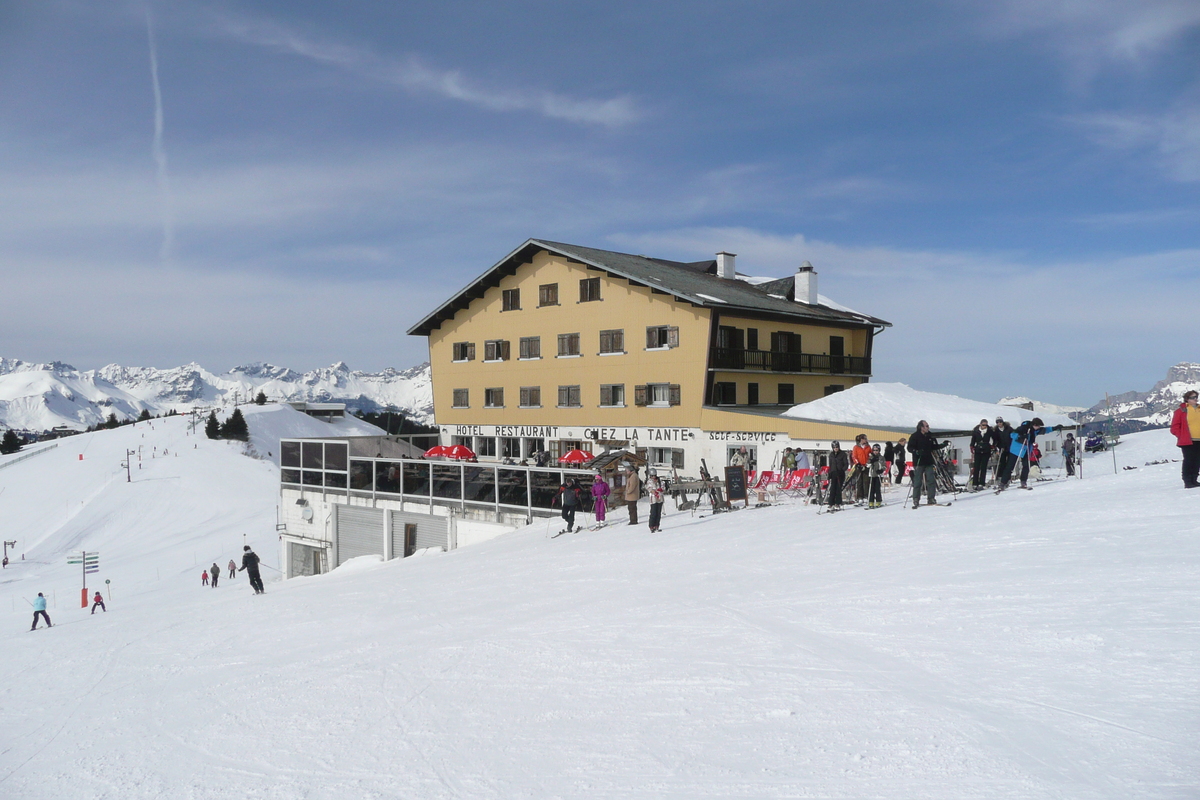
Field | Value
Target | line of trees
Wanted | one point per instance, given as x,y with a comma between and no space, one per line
234,427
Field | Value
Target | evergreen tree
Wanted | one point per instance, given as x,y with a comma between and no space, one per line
235,427
260,399
11,443
112,421
212,428
144,416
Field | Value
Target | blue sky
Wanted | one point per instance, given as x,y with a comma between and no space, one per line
1012,183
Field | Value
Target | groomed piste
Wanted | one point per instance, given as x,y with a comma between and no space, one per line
1029,645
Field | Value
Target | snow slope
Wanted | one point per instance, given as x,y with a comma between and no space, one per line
1032,645
897,405
38,397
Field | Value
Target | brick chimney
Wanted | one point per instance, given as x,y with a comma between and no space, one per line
725,265
806,285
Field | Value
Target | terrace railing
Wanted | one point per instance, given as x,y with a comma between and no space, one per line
728,358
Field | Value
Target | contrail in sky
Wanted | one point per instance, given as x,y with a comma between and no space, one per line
160,154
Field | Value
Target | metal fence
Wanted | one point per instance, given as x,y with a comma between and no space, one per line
19,459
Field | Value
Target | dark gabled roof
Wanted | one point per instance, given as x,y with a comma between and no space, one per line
695,282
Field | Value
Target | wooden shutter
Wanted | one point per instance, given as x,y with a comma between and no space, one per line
504,350
672,337
641,395
651,338
606,398
470,351
674,394
564,395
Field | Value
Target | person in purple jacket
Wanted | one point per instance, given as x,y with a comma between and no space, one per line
600,492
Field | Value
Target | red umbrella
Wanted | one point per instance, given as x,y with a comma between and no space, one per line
460,451
437,451
576,457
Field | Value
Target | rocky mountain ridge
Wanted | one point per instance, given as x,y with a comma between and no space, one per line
38,397
1136,411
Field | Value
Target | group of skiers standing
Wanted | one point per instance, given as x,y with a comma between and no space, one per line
867,465
1012,446
572,498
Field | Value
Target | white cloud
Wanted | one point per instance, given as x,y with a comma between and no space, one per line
983,324
1173,137
1089,33
413,74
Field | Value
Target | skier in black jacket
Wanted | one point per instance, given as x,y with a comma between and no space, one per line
981,452
924,449
250,566
1002,441
839,463
1023,440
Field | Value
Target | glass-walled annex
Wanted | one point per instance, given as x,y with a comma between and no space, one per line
328,466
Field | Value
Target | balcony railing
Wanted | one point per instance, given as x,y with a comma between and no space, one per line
771,361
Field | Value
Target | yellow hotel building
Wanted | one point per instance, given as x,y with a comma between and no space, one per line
558,346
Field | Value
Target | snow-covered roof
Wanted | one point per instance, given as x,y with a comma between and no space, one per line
897,405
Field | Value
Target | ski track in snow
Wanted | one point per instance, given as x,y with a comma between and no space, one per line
1029,645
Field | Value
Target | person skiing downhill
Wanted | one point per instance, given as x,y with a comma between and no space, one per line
215,572
39,607
250,565
204,578
98,601
1185,425
231,570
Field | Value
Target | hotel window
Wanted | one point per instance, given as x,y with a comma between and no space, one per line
548,294
612,395
568,344
531,347
661,336
485,446
724,393
834,388
568,397
612,341
512,299
787,394
785,342
495,350
493,398
752,394
657,394
464,351
462,398
531,397
666,457
751,338
589,290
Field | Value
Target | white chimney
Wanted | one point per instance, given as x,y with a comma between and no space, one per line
725,265
806,285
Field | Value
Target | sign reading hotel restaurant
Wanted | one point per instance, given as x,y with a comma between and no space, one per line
597,434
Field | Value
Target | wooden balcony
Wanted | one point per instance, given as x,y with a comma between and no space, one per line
727,358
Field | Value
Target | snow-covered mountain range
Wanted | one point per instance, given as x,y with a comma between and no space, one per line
38,397
1135,411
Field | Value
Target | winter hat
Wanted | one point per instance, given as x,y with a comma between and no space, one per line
835,444
247,547
1037,422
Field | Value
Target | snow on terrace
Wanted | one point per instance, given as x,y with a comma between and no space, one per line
897,405
1033,645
